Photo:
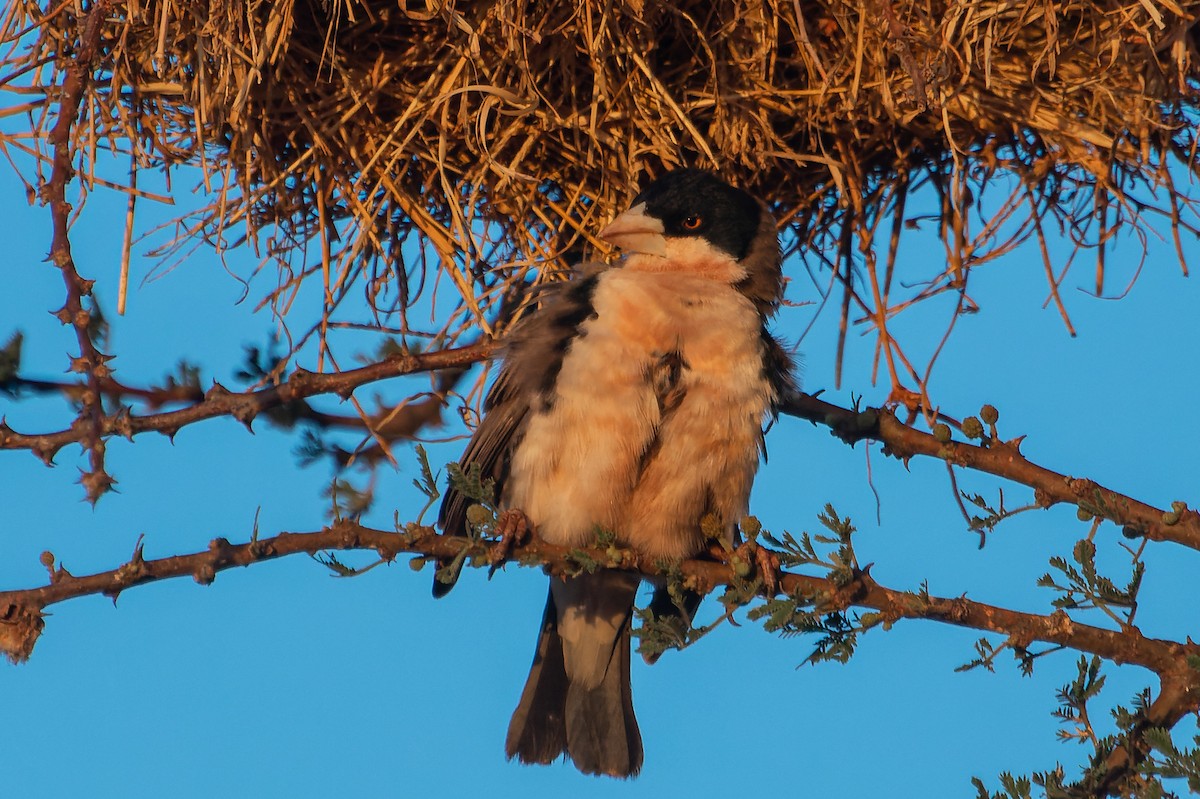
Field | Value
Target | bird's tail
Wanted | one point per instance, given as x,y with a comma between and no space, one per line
577,700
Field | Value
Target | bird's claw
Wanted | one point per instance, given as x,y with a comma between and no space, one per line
768,568
513,528
752,558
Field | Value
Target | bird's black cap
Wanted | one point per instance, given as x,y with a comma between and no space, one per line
694,202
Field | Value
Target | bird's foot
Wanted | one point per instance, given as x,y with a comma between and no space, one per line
752,558
769,568
513,527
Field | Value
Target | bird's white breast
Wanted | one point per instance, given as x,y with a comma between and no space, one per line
602,454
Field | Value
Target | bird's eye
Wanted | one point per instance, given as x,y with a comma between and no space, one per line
693,222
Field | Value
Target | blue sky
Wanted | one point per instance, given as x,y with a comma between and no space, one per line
281,680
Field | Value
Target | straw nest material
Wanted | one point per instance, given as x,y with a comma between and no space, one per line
503,134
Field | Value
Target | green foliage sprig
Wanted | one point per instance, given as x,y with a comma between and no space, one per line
1082,587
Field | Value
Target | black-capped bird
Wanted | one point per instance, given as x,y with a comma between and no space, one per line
633,400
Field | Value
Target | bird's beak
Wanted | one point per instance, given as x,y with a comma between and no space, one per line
635,231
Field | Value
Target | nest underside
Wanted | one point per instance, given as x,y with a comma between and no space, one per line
502,135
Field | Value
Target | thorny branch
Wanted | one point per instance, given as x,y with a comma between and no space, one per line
245,406
154,396
90,362
21,611
999,458
1158,655
1002,459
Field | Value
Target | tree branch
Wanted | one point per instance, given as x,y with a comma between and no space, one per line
91,362
1160,656
992,456
1002,459
21,611
1177,697
154,396
245,406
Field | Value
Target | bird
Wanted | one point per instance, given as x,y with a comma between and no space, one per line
633,400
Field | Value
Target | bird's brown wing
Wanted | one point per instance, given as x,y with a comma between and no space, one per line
533,357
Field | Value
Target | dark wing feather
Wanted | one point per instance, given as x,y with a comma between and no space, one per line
533,356
490,449
779,368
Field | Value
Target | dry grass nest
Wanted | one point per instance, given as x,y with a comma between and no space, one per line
503,134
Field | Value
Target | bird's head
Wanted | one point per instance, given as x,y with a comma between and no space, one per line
687,204
690,220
